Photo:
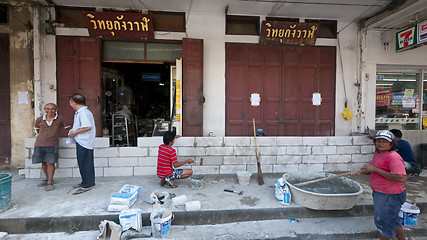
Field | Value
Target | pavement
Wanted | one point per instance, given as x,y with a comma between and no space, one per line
38,214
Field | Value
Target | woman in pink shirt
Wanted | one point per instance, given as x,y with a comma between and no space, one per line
387,175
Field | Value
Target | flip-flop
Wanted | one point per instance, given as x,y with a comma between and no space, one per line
171,185
82,190
74,187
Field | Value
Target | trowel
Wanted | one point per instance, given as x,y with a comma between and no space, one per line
232,191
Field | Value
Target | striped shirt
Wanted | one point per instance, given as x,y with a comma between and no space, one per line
166,156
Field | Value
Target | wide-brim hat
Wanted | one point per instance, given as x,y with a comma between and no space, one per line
385,134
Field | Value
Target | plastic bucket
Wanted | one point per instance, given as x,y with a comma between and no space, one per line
408,216
197,182
5,190
160,227
244,177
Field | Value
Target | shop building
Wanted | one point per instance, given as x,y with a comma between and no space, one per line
207,70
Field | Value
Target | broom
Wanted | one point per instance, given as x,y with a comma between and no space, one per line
258,163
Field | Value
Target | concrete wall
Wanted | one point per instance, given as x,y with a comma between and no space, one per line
221,155
21,76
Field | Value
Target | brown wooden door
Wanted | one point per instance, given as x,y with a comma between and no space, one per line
5,139
79,71
192,87
285,78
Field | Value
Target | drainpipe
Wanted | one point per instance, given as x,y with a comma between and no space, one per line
361,80
38,49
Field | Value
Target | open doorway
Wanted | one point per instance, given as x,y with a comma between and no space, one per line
137,100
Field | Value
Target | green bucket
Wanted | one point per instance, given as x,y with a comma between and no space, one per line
5,190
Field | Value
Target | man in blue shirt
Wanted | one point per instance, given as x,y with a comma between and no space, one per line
405,151
83,133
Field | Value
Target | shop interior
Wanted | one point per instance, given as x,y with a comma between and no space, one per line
136,101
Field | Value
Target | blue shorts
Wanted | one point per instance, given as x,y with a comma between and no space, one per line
45,154
175,175
386,212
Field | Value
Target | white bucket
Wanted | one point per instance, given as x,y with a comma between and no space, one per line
197,182
160,227
408,216
244,177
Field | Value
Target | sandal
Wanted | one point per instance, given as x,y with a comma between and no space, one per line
78,185
162,183
171,185
82,190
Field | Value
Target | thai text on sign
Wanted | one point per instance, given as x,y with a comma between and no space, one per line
120,24
276,32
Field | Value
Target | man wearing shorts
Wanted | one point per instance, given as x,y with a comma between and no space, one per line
48,128
167,162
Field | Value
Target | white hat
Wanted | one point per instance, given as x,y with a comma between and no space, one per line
385,134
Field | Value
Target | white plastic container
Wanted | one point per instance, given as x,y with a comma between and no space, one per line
244,177
408,216
197,182
160,227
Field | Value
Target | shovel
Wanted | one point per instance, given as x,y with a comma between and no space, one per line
232,191
326,178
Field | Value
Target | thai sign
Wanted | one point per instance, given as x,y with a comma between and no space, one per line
422,32
120,24
406,38
296,33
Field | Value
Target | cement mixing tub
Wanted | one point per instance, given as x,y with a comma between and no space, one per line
334,194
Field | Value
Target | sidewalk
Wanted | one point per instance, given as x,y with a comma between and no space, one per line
35,210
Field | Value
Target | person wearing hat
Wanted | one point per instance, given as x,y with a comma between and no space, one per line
387,175
260,133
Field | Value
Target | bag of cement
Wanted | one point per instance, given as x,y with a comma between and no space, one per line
131,219
282,192
109,230
125,198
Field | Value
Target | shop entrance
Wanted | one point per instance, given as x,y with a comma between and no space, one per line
5,140
136,100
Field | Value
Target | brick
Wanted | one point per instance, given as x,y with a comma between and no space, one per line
209,142
283,168
185,142
106,152
289,159
76,173
314,159
215,151
133,152
236,160
99,172
348,149
141,171
28,153
339,159
357,166
362,140
24,172
271,151
67,153
337,140
289,141
149,141
102,142
336,167
205,169
264,159
298,150
324,150
367,149
244,151
153,151
67,163
310,141
63,143
231,169
211,161
123,162
264,141
29,142
100,162
64,173
310,168
265,168
118,171
147,161
363,158
191,151
35,173
237,141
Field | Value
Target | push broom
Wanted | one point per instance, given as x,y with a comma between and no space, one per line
258,163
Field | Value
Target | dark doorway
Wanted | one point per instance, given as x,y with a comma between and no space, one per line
5,140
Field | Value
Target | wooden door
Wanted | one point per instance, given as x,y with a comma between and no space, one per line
192,87
285,78
79,71
5,140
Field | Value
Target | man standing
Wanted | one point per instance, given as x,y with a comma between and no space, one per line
83,133
48,128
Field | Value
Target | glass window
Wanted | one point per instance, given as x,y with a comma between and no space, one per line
397,99
241,25
140,51
163,51
124,50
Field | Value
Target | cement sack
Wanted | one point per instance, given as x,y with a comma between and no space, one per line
126,197
109,230
282,192
131,219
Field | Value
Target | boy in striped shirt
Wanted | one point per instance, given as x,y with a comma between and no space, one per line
167,162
